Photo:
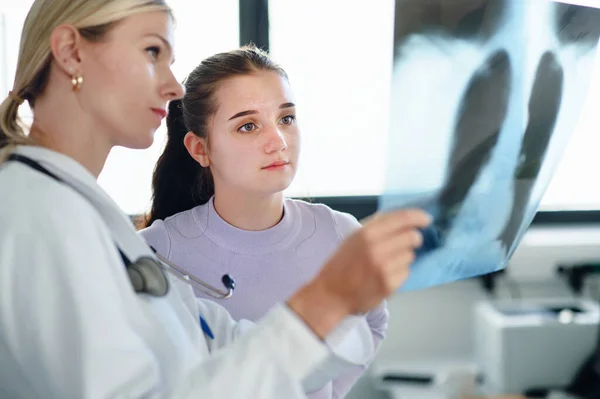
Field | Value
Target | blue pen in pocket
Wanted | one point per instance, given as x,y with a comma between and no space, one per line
206,328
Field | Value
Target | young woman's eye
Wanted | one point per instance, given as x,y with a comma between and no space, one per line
153,51
248,127
288,119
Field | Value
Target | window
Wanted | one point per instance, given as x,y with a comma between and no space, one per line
3,55
12,16
339,60
575,184
338,55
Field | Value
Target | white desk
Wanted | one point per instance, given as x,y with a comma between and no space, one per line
450,378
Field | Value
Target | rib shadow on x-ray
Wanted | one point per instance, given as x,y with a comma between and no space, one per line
485,95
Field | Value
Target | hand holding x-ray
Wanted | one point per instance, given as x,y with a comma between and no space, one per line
485,95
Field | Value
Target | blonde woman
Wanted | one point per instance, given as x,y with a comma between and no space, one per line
82,312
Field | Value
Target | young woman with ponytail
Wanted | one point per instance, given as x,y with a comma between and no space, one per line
218,207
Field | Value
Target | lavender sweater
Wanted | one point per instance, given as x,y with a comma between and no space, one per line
268,266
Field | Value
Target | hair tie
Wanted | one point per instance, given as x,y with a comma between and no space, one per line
15,97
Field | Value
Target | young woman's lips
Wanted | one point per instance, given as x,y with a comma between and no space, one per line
276,165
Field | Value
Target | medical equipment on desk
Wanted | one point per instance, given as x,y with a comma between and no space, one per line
147,275
533,343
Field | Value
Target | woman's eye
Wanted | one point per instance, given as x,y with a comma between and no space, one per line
248,127
153,51
288,119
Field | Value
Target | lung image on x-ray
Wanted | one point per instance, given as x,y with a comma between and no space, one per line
485,95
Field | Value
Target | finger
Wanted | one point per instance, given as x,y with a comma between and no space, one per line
394,244
383,224
399,270
403,259
398,219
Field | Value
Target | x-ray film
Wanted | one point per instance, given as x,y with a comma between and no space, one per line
485,96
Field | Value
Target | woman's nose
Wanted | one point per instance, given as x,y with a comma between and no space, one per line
275,141
173,90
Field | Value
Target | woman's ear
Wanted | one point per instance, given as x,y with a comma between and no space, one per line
198,148
65,44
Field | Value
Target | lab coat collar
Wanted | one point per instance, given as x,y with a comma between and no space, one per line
65,166
84,182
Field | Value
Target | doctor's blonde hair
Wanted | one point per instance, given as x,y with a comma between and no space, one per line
92,18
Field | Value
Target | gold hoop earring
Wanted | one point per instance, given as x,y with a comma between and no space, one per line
76,81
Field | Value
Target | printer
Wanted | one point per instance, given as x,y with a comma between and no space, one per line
528,344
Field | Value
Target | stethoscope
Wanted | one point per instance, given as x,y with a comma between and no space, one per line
147,274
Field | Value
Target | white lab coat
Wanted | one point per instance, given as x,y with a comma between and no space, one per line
71,325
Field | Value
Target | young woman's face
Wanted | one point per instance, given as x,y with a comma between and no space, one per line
253,140
127,79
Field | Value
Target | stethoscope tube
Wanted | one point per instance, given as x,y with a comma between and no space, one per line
208,289
147,275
